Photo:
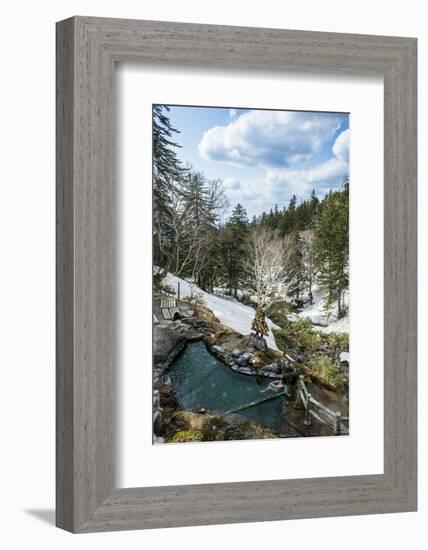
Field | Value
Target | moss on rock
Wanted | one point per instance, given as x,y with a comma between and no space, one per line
187,426
185,436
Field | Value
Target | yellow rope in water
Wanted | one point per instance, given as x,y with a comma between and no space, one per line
254,403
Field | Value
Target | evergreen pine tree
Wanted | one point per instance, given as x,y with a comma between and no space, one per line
208,227
289,221
295,266
234,248
309,262
314,201
167,173
331,247
201,201
276,217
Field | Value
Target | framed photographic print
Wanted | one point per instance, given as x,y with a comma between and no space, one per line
236,274
236,259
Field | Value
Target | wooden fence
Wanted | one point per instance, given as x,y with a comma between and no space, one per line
339,423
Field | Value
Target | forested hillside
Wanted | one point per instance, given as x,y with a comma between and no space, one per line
282,254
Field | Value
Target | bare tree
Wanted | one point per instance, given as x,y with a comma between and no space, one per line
266,262
195,215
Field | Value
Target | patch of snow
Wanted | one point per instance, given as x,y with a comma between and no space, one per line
342,325
344,356
230,312
327,319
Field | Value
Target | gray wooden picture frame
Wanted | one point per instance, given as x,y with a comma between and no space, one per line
87,50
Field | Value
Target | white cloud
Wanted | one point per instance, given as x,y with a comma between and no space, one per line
269,138
232,113
328,174
341,146
231,183
278,185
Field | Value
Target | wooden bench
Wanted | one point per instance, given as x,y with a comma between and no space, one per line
166,313
169,308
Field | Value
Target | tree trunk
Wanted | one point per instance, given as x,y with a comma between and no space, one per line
157,277
339,306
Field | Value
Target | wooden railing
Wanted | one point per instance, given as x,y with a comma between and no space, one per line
339,423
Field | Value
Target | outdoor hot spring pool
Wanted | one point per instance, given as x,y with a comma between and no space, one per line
202,381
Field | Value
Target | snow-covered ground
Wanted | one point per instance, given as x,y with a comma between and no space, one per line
342,325
317,314
229,311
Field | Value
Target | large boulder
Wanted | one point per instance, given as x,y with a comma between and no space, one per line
258,342
247,430
165,343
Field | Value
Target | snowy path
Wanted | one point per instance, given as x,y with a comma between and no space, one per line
229,311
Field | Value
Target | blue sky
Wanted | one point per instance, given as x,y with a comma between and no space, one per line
264,157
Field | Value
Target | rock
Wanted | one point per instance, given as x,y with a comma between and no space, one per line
344,357
212,426
247,355
234,433
245,370
157,422
242,361
167,399
186,436
188,426
236,352
165,343
257,362
258,342
247,430
217,349
274,367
